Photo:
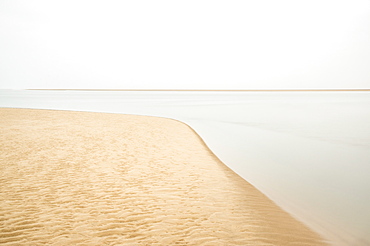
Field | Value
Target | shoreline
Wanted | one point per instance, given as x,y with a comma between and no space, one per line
156,165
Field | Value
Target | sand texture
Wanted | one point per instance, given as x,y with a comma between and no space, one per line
78,178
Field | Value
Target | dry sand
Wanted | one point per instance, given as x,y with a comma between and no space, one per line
78,178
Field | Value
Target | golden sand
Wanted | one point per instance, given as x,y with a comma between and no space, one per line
78,178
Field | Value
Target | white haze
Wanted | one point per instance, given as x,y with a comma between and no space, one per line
185,44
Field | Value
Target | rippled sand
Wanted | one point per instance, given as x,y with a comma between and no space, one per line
77,178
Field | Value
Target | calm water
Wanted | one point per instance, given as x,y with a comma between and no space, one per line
308,151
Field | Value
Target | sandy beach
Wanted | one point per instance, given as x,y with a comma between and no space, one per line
79,178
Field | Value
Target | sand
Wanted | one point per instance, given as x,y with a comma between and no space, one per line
79,178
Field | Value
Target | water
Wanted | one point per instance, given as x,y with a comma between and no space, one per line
307,151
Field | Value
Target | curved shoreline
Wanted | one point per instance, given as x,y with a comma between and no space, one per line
83,177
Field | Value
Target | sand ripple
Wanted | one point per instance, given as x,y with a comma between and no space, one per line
73,178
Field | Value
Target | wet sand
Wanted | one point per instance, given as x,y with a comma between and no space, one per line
78,178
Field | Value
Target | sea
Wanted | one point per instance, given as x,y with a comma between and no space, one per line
308,151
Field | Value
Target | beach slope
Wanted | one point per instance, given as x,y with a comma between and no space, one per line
79,178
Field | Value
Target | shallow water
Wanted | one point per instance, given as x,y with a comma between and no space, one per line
308,151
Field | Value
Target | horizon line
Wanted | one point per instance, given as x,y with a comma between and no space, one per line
227,90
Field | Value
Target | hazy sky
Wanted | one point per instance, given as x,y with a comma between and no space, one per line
185,44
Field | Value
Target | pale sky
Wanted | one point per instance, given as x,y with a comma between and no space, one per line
260,44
